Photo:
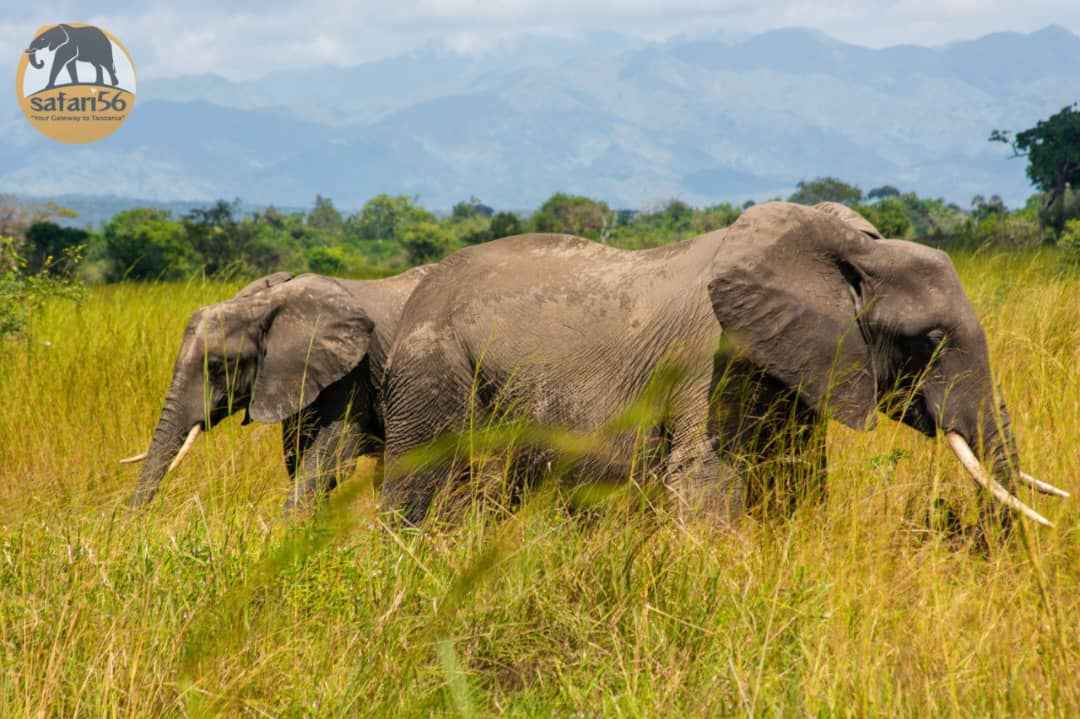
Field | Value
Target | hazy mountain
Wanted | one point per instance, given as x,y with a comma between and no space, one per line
703,119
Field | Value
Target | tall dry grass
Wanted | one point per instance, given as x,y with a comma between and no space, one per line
210,603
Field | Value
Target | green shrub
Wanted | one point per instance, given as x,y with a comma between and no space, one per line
23,294
1070,242
425,242
889,216
1007,232
505,224
147,244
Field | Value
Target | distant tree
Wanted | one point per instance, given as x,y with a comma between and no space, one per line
470,208
48,245
880,193
472,231
147,244
714,217
215,235
889,216
825,189
674,216
425,242
383,217
505,224
748,204
1052,148
324,216
981,208
327,260
575,215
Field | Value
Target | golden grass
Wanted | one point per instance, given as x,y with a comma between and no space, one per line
209,603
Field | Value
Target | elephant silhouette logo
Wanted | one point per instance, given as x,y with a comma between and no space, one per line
75,82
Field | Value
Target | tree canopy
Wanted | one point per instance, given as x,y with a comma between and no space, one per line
1052,149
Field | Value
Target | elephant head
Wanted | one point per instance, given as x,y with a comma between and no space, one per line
855,324
270,351
48,40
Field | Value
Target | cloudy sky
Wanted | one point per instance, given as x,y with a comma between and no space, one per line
244,39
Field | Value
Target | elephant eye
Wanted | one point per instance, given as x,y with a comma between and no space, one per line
936,339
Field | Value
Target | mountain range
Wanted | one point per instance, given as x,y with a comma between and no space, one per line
611,116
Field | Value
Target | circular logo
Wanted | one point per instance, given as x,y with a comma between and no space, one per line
75,82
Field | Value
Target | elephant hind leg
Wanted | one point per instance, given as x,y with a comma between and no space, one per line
425,415
100,78
111,67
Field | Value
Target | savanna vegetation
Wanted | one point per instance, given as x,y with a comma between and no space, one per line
879,602
884,600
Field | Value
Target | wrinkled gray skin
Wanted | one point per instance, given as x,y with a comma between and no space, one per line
308,352
792,313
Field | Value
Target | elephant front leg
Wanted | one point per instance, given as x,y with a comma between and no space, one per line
330,454
73,73
703,484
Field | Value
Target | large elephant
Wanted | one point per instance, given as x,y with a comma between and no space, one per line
72,45
787,317
306,351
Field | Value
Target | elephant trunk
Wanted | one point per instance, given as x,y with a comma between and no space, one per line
175,431
38,64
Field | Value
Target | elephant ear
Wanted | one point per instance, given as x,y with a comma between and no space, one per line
786,289
316,333
851,217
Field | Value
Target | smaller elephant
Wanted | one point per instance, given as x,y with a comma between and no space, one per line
73,45
306,351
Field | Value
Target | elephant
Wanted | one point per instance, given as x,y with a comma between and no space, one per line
73,45
790,316
307,351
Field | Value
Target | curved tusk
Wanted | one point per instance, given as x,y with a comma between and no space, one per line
133,460
967,458
186,447
1043,487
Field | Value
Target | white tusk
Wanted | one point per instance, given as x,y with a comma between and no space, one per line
967,458
186,447
1043,487
133,460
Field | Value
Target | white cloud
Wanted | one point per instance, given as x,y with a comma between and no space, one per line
247,39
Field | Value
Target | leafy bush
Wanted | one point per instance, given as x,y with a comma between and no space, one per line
425,242
505,224
825,189
147,244
22,294
1008,232
384,217
48,244
890,216
1070,242
574,215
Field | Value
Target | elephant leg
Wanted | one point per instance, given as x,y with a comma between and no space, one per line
111,67
331,454
73,73
703,483
426,411
62,58
785,455
100,80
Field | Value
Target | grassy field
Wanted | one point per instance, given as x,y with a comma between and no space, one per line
210,603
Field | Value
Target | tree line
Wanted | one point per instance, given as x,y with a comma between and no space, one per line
41,255
392,232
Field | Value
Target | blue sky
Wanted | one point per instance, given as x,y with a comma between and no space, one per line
247,38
